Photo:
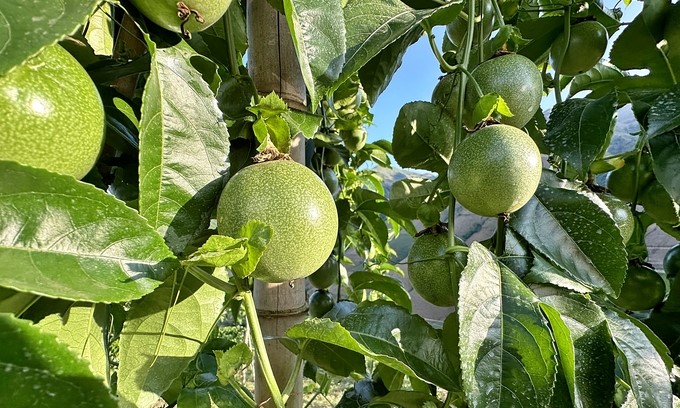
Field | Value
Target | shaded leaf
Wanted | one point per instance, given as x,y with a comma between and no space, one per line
162,334
81,328
183,148
501,326
406,399
664,114
335,359
71,240
389,286
578,130
318,32
576,234
422,137
39,371
544,271
29,25
407,195
302,122
665,150
585,348
377,73
600,80
372,25
648,378
99,33
389,335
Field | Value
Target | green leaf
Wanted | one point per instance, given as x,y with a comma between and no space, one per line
488,105
39,371
99,33
184,146
584,343
664,114
28,26
406,195
422,137
70,240
372,25
377,73
162,334
213,397
269,106
406,399
642,35
544,271
332,358
81,328
576,234
230,362
318,32
505,342
258,234
387,285
302,122
647,373
237,22
15,302
219,251
389,335
279,133
666,153
600,80
578,130
542,33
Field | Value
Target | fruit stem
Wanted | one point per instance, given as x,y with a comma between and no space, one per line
500,235
558,63
258,342
341,254
445,65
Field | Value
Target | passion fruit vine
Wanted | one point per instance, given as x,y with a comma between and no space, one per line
295,203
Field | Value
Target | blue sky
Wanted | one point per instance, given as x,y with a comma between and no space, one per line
419,73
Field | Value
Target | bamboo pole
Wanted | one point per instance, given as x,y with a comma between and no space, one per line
273,66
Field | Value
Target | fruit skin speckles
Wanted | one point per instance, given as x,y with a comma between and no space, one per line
51,115
282,194
495,170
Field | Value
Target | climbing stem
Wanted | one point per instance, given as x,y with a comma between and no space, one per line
430,37
258,342
292,378
558,63
500,235
498,14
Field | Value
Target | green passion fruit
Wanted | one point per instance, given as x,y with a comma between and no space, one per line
429,270
295,203
457,29
643,289
516,79
671,261
621,214
326,275
445,94
659,205
495,170
587,44
197,15
51,115
320,303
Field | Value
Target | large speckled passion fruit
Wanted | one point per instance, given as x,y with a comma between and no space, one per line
204,13
495,170
51,115
516,79
298,207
